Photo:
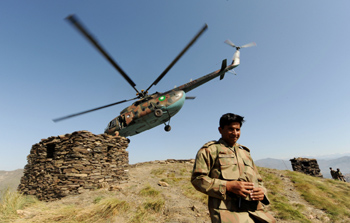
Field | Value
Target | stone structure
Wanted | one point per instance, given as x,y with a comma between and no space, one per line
72,163
307,166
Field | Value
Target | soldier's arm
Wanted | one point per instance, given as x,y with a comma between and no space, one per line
201,180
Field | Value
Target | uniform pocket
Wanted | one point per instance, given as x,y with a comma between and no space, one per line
227,159
228,166
249,171
248,163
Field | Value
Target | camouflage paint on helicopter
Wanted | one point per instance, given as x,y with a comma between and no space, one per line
147,113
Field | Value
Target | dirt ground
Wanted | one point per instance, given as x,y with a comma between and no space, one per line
178,207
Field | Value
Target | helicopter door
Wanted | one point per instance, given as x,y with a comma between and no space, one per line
121,120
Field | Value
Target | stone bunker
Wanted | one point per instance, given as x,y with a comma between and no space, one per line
307,166
73,163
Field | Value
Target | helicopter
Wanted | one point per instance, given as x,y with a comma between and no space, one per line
149,111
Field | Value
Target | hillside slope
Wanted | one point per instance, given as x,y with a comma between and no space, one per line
161,191
10,179
341,162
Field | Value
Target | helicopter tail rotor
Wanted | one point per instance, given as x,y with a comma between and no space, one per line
229,42
236,56
249,45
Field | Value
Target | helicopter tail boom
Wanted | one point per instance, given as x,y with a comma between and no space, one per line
202,80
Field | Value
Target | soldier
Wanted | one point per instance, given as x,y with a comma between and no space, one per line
340,175
333,174
225,171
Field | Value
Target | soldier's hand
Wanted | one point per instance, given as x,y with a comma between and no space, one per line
240,188
257,194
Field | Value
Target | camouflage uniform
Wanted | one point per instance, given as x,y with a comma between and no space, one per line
217,163
340,176
333,174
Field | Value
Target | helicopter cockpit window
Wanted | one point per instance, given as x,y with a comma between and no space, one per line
112,123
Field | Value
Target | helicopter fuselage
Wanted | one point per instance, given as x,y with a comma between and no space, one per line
147,113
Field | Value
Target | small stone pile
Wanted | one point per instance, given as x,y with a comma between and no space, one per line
73,163
307,166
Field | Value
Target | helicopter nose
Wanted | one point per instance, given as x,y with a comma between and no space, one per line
179,94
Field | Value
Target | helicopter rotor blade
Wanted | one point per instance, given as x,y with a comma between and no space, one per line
179,56
248,45
74,21
230,43
91,110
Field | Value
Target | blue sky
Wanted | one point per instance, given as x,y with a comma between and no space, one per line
292,88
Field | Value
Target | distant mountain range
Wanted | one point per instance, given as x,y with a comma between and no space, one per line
330,156
343,163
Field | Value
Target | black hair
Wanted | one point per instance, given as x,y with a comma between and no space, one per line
228,118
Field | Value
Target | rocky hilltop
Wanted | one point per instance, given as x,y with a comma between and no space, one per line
160,191
87,178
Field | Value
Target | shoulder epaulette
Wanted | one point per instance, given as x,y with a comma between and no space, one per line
209,144
245,148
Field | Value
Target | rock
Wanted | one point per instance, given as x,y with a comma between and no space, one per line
23,213
73,163
163,184
307,166
114,188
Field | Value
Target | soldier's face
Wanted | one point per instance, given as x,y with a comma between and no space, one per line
231,133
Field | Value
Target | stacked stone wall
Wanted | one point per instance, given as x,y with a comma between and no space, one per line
73,163
307,166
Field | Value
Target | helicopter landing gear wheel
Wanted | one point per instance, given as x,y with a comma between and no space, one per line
158,112
167,128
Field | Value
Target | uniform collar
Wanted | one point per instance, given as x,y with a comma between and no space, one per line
226,145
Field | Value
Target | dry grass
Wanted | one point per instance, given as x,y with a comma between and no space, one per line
150,208
149,191
11,201
280,204
329,195
145,201
181,177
